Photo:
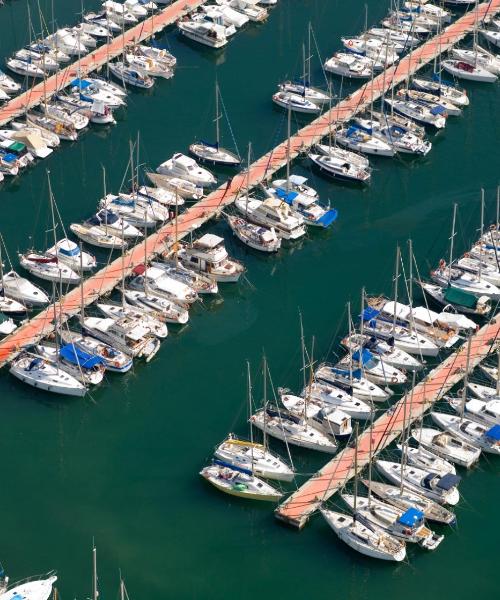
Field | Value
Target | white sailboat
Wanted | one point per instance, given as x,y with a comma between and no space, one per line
447,446
70,253
357,139
33,588
157,281
157,305
485,437
421,113
18,288
240,482
464,70
113,359
147,320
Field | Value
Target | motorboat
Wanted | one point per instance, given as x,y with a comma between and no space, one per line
110,222
430,100
442,89
399,38
308,207
7,325
82,36
161,195
457,299
44,62
106,86
25,68
8,85
406,498
387,351
160,307
182,187
349,65
204,33
8,164
97,236
483,392
127,334
202,284
447,446
485,437
147,66
425,459
292,430
140,8
121,311
440,488
8,306
67,42
492,36
295,103
331,396
355,138
184,167
249,8
363,538
445,276
464,70
254,457
240,482
213,14
435,116
119,13
86,368
486,412
94,29
160,55
50,139
272,212
408,526
130,75
409,341
31,139
47,267
257,237
158,282
44,374
132,212
230,15
208,255
296,183
18,288
113,360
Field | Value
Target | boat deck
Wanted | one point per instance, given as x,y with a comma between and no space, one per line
298,507
211,206
96,59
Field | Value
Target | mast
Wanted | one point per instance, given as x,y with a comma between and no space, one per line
396,277
82,310
362,323
264,383
410,273
122,589
217,116
452,239
355,508
289,122
309,55
466,379
498,372
176,246
350,345
481,234
1,265
370,455
403,446
311,379
248,178
104,187
303,348
55,323
95,592
123,265
249,387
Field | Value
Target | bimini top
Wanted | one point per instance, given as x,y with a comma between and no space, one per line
369,313
79,357
82,84
449,481
209,240
438,110
411,517
297,179
221,463
494,433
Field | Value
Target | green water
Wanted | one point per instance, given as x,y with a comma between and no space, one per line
122,466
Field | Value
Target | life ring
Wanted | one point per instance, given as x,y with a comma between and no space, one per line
350,43
442,263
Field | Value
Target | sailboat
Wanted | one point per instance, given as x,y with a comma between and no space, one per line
113,360
86,368
159,306
447,446
213,153
485,437
123,311
256,458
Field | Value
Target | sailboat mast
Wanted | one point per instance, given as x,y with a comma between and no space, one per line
481,233
51,200
355,470
82,308
264,383
396,277
248,178
249,384
370,456
466,378
309,55
303,348
176,246
498,373
311,379
452,239
289,123
410,273
362,323
122,589
350,345
217,129
104,188
95,592
403,444
123,264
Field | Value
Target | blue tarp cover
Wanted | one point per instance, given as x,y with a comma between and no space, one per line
209,144
221,463
438,110
287,197
494,433
329,217
76,356
363,357
8,157
69,252
80,83
369,313
411,517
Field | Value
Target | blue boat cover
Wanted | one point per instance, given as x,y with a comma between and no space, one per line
369,313
210,145
123,201
287,197
328,218
437,77
364,357
438,110
356,373
353,130
9,157
69,252
282,415
222,463
494,433
411,517
79,357
35,363
448,481
83,84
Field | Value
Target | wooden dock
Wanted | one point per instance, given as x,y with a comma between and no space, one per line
298,507
96,59
107,278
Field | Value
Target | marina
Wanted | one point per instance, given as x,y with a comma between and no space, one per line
223,278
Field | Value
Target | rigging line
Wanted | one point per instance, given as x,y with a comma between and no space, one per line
229,124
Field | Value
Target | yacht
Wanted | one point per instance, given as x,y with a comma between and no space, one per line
148,321
182,187
97,236
31,139
89,92
126,334
255,236
354,138
421,113
330,420
339,168
204,33
462,280
86,368
113,360
425,459
296,183
94,29
430,100
464,70
442,89
18,288
110,222
398,38
201,283
67,42
457,299
486,412
478,56
130,75
8,85
68,252
351,381
374,369
47,267
160,307
295,103
299,88
308,207
272,212
44,374
101,19
447,446
208,255
249,8
119,13
492,36
184,167
485,437
349,65
329,396
25,68
401,138
240,482
158,282
44,62
391,354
